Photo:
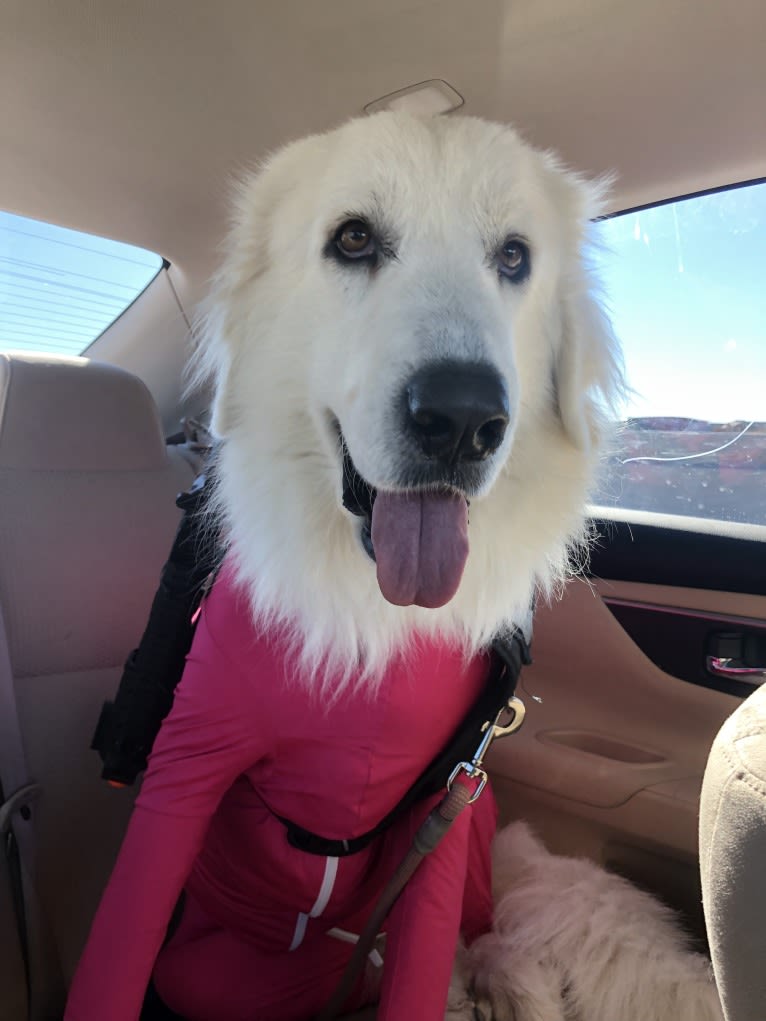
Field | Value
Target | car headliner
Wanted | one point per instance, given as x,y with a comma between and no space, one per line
127,119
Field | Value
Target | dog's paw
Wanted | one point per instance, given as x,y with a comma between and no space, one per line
459,1000
482,1011
513,986
469,1009
462,1002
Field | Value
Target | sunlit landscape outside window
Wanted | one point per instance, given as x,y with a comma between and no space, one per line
686,286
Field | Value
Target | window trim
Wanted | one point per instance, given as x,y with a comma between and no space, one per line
163,268
752,182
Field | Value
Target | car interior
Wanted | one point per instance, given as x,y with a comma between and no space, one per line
129,122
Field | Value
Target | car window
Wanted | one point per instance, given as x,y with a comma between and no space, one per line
686,287
60,289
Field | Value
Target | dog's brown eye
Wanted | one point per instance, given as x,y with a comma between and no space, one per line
355,240
513,259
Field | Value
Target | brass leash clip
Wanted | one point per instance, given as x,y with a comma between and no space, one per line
473,769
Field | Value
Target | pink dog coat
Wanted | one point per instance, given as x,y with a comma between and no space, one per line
242,746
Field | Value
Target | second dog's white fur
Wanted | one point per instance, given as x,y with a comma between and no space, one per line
572,942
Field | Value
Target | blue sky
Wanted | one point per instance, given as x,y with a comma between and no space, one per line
60,289
685,284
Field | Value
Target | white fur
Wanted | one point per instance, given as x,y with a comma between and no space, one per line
572,942
290,339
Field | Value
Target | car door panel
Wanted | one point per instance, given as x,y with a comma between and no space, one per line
609,762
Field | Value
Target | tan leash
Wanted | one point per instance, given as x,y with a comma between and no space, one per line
428,837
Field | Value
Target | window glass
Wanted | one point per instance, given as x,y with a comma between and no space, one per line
60,289
686,287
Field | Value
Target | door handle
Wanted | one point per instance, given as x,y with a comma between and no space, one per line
721,666
738,656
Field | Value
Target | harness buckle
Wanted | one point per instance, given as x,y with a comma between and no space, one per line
473,773
473,769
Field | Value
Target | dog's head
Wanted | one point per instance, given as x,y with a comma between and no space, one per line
403,324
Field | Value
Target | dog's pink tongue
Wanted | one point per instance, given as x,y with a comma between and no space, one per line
421,544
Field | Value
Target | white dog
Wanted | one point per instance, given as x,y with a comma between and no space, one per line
404,324
359,263
572,942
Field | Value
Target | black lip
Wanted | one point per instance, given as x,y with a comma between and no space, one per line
358,497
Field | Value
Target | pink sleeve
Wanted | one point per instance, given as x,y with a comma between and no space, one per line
209,738
478,905
425,922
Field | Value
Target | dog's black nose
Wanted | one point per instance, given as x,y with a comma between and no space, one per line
457,411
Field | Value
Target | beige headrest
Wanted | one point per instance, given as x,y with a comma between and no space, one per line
71,414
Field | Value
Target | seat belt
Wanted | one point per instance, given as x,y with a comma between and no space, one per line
45,982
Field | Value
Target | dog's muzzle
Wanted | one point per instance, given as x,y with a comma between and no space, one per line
454,418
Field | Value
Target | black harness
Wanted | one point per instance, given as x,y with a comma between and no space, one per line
507,658
128,726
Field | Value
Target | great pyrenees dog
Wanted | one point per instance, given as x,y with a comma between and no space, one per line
572,942
412,378
406,304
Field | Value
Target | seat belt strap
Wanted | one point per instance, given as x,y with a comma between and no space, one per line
45,983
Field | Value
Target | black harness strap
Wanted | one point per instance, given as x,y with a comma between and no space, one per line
128,726
508,655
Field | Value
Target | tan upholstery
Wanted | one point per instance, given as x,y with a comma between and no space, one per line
87,516
733,859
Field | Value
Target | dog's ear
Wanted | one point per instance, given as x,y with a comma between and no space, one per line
230,317
218,327
588,371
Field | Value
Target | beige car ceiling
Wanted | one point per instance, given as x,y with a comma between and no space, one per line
125,118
